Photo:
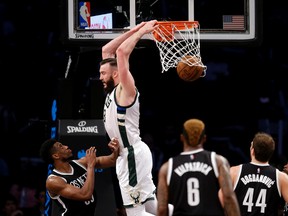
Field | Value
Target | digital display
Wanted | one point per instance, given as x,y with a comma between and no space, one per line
100,15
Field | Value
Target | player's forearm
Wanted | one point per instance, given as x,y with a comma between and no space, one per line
126,48
108,161
88,187
231,206
109,50
112,158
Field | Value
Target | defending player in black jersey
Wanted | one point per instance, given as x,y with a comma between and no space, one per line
71,183
191,181
258,185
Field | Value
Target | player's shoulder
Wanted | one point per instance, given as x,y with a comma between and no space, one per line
164,168
282,175
221,159
53,181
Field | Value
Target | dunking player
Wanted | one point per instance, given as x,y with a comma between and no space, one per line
191,181
121,120
258,185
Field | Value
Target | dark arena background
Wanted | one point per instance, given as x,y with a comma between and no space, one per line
45,78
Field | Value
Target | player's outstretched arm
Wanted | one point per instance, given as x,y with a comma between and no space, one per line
109,160
127,84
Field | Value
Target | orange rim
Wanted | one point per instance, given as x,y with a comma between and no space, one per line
180,25
168,27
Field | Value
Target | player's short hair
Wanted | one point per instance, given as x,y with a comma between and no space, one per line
264,146
46,150
111,61
193,131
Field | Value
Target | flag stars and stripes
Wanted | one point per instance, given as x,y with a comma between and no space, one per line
233,22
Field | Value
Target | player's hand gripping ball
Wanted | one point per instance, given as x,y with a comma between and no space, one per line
187,71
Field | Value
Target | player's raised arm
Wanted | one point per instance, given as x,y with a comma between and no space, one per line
109,49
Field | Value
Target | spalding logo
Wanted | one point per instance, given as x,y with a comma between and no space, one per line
82,123
82,129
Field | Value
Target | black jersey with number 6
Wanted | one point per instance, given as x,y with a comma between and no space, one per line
193,184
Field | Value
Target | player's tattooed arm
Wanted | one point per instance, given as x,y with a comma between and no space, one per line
226,195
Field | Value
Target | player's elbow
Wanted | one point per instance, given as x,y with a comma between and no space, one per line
120,51
106,52
111,162
86,196
162,210
229,199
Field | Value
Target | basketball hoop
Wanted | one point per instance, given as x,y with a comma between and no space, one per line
172,49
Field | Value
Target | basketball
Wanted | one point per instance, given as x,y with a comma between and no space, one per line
187,72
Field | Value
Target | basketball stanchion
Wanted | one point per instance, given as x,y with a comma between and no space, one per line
176,40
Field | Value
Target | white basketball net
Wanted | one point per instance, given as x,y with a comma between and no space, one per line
172,49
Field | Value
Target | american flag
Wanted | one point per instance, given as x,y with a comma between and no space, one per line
233,22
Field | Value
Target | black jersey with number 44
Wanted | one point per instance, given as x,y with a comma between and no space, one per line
193,184
257,190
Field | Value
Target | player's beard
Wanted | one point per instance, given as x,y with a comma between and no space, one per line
110,84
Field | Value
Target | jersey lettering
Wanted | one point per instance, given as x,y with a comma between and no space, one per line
106,106
193,167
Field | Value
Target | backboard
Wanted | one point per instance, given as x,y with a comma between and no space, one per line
86,22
